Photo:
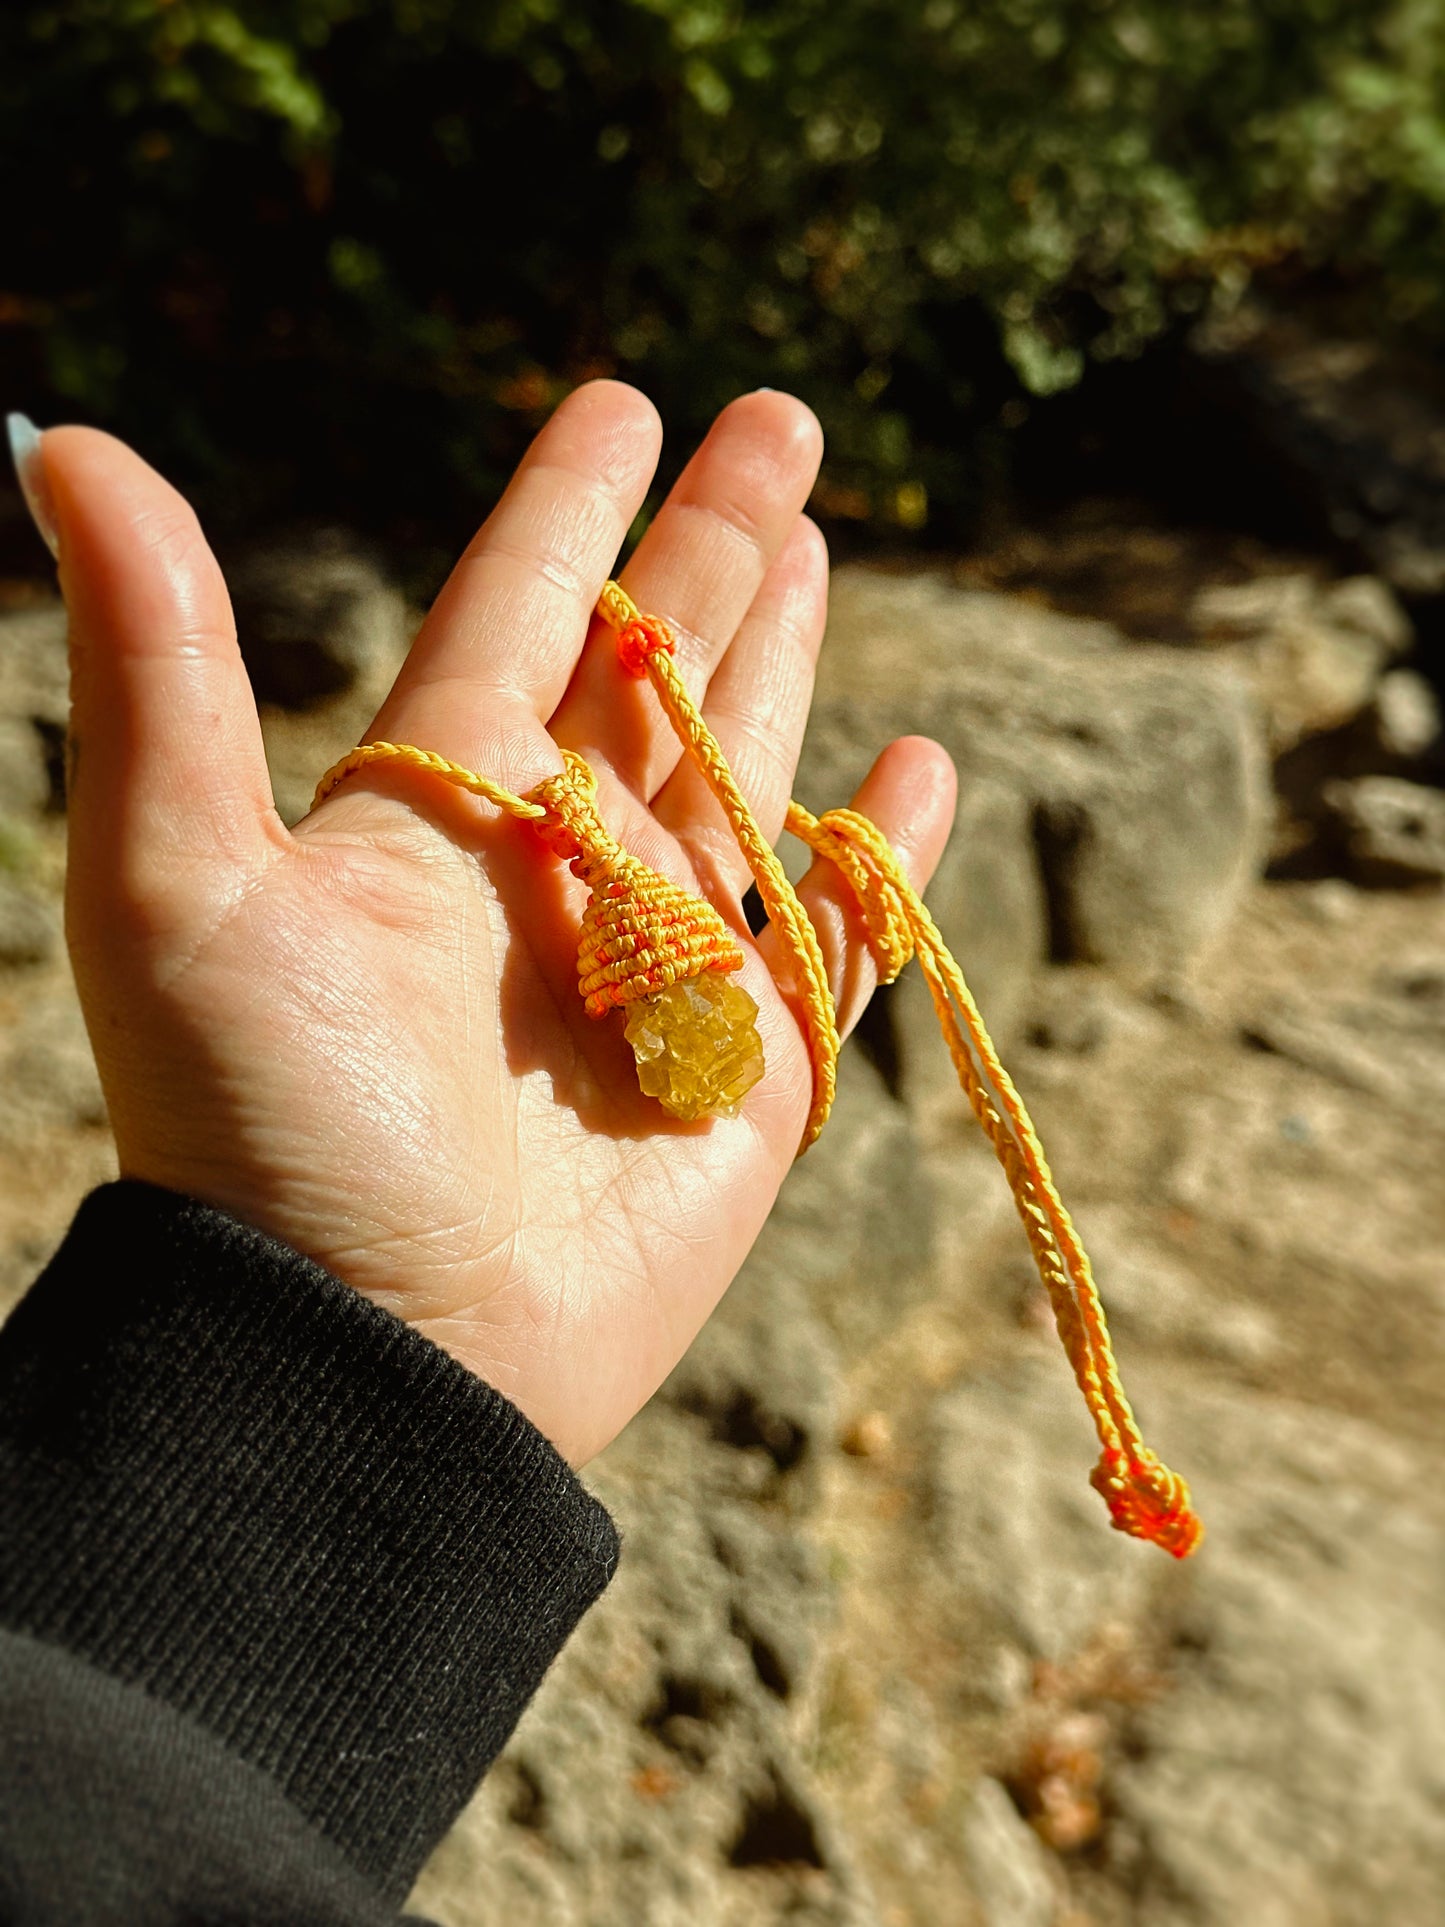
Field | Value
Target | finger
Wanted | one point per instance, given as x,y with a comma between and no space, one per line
757,707
910,794
503,637
699,566
166,755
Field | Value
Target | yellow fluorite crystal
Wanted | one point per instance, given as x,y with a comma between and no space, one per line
697,1046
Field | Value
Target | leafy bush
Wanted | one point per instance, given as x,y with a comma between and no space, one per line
348,249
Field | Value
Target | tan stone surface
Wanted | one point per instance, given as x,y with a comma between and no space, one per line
921,1684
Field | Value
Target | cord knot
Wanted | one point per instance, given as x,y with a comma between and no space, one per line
641,638
1148,1501
865,857
572,829
640,932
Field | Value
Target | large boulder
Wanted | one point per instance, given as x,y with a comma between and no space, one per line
1134,802
34,665
988,896
1337,429
29,925
48,1077
24,775
34,707
1291,1651
323,631
664,1772
316,615
1314,653
657,1777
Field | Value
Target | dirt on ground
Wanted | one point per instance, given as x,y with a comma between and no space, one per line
873,1656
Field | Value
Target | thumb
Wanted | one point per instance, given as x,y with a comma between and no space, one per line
167,766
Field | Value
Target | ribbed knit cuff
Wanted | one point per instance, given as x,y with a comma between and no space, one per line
227,1478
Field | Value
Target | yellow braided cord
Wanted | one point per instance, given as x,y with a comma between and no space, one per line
616,607
1143,1496
433,765
641,933
780,900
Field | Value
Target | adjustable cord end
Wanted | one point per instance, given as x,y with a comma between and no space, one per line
1148,1501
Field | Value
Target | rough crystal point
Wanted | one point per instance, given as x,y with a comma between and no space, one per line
697,1046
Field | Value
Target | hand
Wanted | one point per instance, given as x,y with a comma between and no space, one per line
364,1034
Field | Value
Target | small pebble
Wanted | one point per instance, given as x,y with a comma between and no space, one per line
29,927
1407,714
1331,901
869,1436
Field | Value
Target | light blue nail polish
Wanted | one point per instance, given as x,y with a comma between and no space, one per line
30,471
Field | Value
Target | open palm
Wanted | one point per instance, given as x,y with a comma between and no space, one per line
364,1034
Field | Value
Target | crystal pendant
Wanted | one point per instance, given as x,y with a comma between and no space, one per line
697,1046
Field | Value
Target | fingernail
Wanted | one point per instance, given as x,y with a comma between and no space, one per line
30,470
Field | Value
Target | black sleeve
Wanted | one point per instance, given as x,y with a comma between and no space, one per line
277,1578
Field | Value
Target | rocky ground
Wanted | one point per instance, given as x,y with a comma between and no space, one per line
873,1657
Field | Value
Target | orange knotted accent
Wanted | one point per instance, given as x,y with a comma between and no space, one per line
639,640
642,934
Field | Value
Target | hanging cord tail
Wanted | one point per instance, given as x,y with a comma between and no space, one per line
1145,1499
645,648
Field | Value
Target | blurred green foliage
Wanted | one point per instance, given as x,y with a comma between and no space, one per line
340,246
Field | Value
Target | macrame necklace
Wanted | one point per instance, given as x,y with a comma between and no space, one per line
664,956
